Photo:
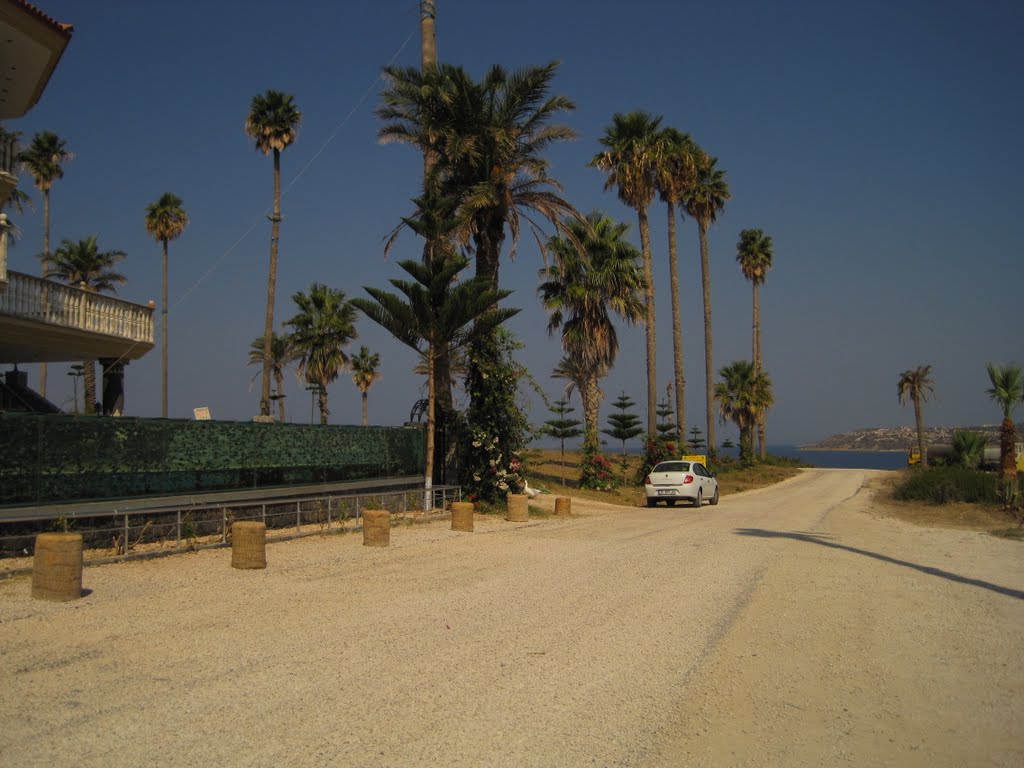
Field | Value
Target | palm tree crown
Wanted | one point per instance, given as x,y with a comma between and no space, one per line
166,218
754,254
273,121
321,330
45,158
742,395
1007,391
83,262
282,354
486,142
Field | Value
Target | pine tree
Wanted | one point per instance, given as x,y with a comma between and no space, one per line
624,426
696,440
666,427
562,428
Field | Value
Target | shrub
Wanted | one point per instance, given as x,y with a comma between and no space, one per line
941,485
596,472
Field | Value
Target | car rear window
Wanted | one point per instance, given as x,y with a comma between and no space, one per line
673,466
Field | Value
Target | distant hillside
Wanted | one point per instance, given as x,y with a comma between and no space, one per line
899,438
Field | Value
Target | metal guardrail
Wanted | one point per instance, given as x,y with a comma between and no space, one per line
113,534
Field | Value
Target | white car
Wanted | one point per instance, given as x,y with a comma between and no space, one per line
672,481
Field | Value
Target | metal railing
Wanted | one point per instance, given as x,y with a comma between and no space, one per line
119,534
47,301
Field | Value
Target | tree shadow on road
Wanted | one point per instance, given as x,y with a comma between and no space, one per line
820,539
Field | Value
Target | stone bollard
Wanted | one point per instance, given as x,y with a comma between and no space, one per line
248,545
563,506
462,516
518,511
376,528
57,566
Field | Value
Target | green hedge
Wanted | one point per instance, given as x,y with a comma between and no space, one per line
55,458
940,485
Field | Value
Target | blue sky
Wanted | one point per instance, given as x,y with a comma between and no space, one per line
878,144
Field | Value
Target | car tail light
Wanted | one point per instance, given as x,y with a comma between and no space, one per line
647,480
688,479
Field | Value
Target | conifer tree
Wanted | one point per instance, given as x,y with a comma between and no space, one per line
562,428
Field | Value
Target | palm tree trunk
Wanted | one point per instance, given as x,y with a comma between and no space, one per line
709,370
920,431
677,325
279,378
428,46
366,409
762,445
163,336
268,327
322,392
1008,452
46,267
89,381
591,407
652,368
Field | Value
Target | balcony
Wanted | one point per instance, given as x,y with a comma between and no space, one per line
46,322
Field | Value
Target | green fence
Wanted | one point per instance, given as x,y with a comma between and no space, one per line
53,459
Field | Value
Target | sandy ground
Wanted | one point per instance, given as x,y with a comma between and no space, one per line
790,626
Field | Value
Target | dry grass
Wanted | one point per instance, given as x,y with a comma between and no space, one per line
958,515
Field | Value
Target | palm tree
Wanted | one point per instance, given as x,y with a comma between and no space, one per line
742,394
632,154
428,42
754,254
594,275
272,123
434,313
1007,391
704,201
282,354
917,385
364,375
486,141
674,175
44,159
165,221
320,332
83,264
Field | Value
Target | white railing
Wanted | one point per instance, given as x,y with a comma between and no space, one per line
45,301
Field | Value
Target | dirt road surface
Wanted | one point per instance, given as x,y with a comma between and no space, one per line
789,626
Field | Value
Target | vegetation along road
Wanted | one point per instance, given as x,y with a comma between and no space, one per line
795,625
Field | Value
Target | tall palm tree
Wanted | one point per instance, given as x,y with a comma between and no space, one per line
365,375
83,264
282,354
631,157
674,175
273,123
917,385
1007,391
742,394
434,312
487,141
704,200
595,274
44,159
754,254
165,221
321,330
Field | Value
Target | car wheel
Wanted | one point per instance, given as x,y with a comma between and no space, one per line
671,502
651,502
714,499
700,497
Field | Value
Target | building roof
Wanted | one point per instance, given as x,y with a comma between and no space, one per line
32,43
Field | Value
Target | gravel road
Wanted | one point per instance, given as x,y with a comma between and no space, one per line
789,626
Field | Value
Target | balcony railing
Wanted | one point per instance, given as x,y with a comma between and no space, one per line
45,301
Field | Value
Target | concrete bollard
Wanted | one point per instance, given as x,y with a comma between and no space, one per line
376,528
248,545
57,566
563,506
518,511
462,516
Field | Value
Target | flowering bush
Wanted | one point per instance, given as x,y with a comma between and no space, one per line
656,450
493,472
596,472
